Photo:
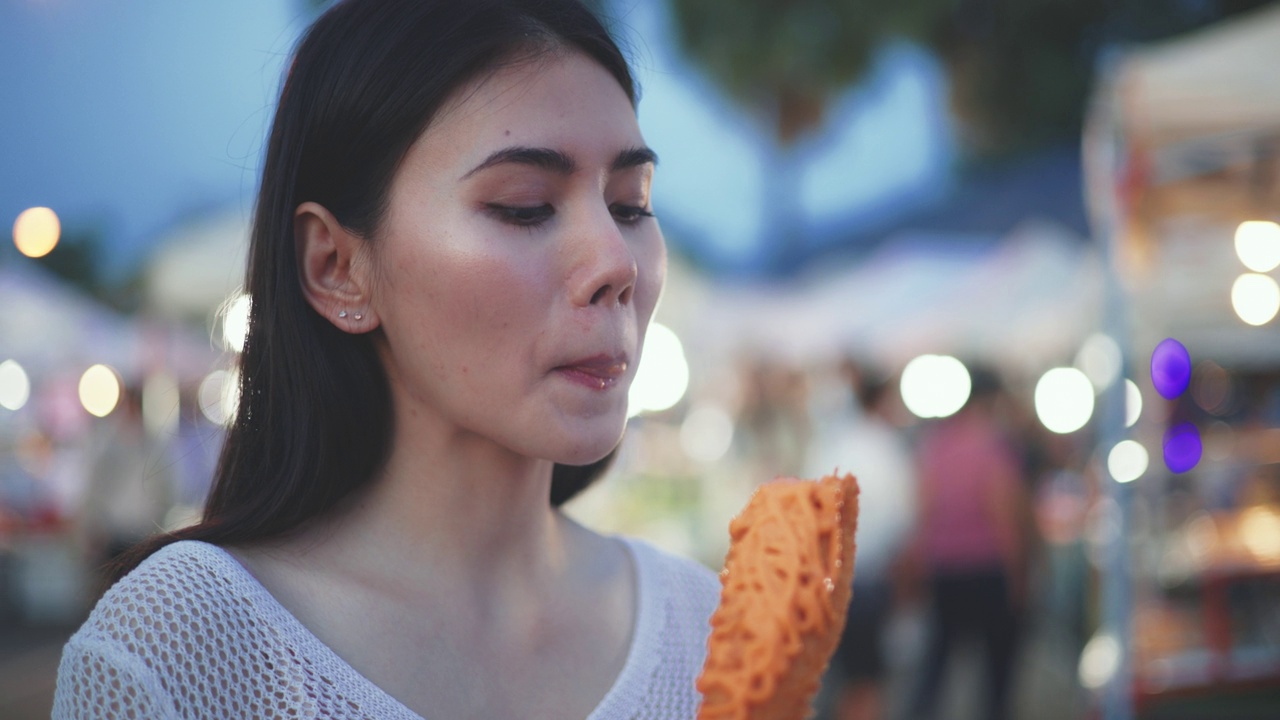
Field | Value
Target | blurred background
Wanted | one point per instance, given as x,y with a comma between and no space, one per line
898,232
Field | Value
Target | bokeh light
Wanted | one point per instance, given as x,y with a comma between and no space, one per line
1258,245
1170,368
1255,298
1132,403
36,231
1202,534
706,433
663,375
1212,388
1099,358
219,396
160,404
15,387
1260,532
1100,660
935,386
235,321
1182,447
1127,461
1064,400
1219,441
99,390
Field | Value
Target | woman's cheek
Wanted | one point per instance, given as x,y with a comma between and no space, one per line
656,276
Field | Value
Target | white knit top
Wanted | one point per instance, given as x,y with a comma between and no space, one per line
191,634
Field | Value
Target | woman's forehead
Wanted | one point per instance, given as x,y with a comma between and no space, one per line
562,100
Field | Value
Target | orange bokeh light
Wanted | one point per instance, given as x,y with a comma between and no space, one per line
36,231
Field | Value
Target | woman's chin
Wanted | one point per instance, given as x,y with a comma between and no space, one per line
589,449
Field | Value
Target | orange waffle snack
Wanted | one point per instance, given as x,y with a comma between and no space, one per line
787,581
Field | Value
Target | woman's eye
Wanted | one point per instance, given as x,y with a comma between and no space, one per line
524,216
629,214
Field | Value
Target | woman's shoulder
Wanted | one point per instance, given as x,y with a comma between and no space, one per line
187,613
185,586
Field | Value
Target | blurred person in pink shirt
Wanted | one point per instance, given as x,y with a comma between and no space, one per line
968,548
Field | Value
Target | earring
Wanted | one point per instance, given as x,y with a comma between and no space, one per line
358,316
342,313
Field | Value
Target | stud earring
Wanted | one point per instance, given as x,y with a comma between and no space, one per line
342,313
358,316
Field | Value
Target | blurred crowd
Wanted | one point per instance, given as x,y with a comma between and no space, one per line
971,527
983,538
978,542
75,491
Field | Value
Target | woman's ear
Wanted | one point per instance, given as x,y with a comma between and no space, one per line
333,268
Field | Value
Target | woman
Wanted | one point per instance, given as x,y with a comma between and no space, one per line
452,268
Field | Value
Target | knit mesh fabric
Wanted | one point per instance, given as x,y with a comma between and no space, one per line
191,634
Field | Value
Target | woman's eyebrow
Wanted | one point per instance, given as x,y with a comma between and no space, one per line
544,158
633,157
558,161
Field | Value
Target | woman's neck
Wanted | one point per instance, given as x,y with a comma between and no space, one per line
461,503
457,506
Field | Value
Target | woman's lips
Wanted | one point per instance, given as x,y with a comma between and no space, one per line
599,372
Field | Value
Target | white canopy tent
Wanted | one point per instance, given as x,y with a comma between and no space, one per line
198,266
1183,146
1024,303
1219,82
56,329
54,326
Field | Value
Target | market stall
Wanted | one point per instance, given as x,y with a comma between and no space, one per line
1183,171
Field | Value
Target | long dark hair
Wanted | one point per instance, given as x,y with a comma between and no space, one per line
314,419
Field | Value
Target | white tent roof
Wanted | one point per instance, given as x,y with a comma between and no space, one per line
198,266
56,329
1197,120
1224,79
1026,303
53,325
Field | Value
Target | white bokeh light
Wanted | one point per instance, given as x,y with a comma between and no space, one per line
1258,245
99,390
935,386
235,321
219,396
1132,403
160,404
1127,461
1256,298
1064,400
1100,660
15,387
706,433
1099,358
663,375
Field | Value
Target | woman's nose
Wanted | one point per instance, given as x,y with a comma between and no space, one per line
605,268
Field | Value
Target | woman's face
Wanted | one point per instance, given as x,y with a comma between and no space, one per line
518,264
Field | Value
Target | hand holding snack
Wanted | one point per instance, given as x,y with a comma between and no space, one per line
787,581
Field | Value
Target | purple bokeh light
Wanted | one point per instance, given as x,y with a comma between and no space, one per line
1182,447
1170,368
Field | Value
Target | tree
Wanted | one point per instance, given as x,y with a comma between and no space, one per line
784,60
1019,70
